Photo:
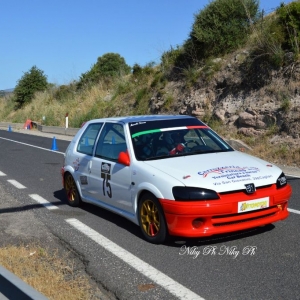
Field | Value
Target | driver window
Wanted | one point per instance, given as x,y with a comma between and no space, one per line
111,142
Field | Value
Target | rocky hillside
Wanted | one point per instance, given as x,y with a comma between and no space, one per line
246,100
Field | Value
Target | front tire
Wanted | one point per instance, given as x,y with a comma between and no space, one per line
71,190
151,219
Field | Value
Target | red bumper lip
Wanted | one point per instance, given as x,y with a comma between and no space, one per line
221,216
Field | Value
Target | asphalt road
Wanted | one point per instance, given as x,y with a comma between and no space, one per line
261,263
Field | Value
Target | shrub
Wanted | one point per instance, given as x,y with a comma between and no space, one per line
109,65
140,95
222,26
112,64
137,70
171,58
142,73
32,81
64,92
289,18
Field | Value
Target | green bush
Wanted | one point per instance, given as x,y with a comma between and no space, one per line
289,18
137,70
109,65
142,73
112,64
64,92
159,81
222,26
32,81
171,58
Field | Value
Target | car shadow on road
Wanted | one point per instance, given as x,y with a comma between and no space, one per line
176,242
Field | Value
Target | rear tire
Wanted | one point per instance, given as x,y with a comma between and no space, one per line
152,219
71,190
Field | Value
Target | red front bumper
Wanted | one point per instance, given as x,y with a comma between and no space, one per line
205,218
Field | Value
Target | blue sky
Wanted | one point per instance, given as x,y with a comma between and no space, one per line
64,38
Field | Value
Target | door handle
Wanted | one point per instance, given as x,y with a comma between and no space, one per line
90,166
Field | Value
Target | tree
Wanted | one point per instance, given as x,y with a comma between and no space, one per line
289,19
31,82
112,64
108,65
221,27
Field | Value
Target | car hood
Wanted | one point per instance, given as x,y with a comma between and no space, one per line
222,172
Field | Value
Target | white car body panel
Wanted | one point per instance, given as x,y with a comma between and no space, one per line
221,172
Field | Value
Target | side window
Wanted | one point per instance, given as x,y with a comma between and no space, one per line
111,142
88,138
209,140
194,137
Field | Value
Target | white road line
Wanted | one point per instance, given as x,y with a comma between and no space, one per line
294,211
43,201
155,275
31,145
2,174
17,184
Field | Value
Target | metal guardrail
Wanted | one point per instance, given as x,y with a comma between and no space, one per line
12,287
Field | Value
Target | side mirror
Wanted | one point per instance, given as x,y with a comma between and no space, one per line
124,158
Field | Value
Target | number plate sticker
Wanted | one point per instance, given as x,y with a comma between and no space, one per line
260,203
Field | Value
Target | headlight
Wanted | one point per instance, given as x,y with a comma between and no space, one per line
193,193
281,181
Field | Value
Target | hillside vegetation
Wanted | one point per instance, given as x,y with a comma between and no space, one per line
238,71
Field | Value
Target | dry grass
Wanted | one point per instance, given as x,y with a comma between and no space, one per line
284,151
101,100
282,154
47,272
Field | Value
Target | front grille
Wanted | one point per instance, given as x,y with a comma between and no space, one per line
244,190
236,218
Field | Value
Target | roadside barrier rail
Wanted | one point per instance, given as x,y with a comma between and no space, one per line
12,287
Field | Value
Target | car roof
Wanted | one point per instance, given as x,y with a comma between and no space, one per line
142,118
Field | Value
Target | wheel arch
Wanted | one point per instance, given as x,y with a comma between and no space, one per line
69,172
143,189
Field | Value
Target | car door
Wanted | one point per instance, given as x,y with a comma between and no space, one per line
110,181
83,155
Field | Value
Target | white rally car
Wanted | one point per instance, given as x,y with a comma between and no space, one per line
172,175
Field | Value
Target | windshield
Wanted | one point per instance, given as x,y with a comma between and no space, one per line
169,138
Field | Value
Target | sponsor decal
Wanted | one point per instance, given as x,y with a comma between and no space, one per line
282,180
105,168
233,174
137,123
76,164
228,171
166,129
250,205
250,188
83,180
